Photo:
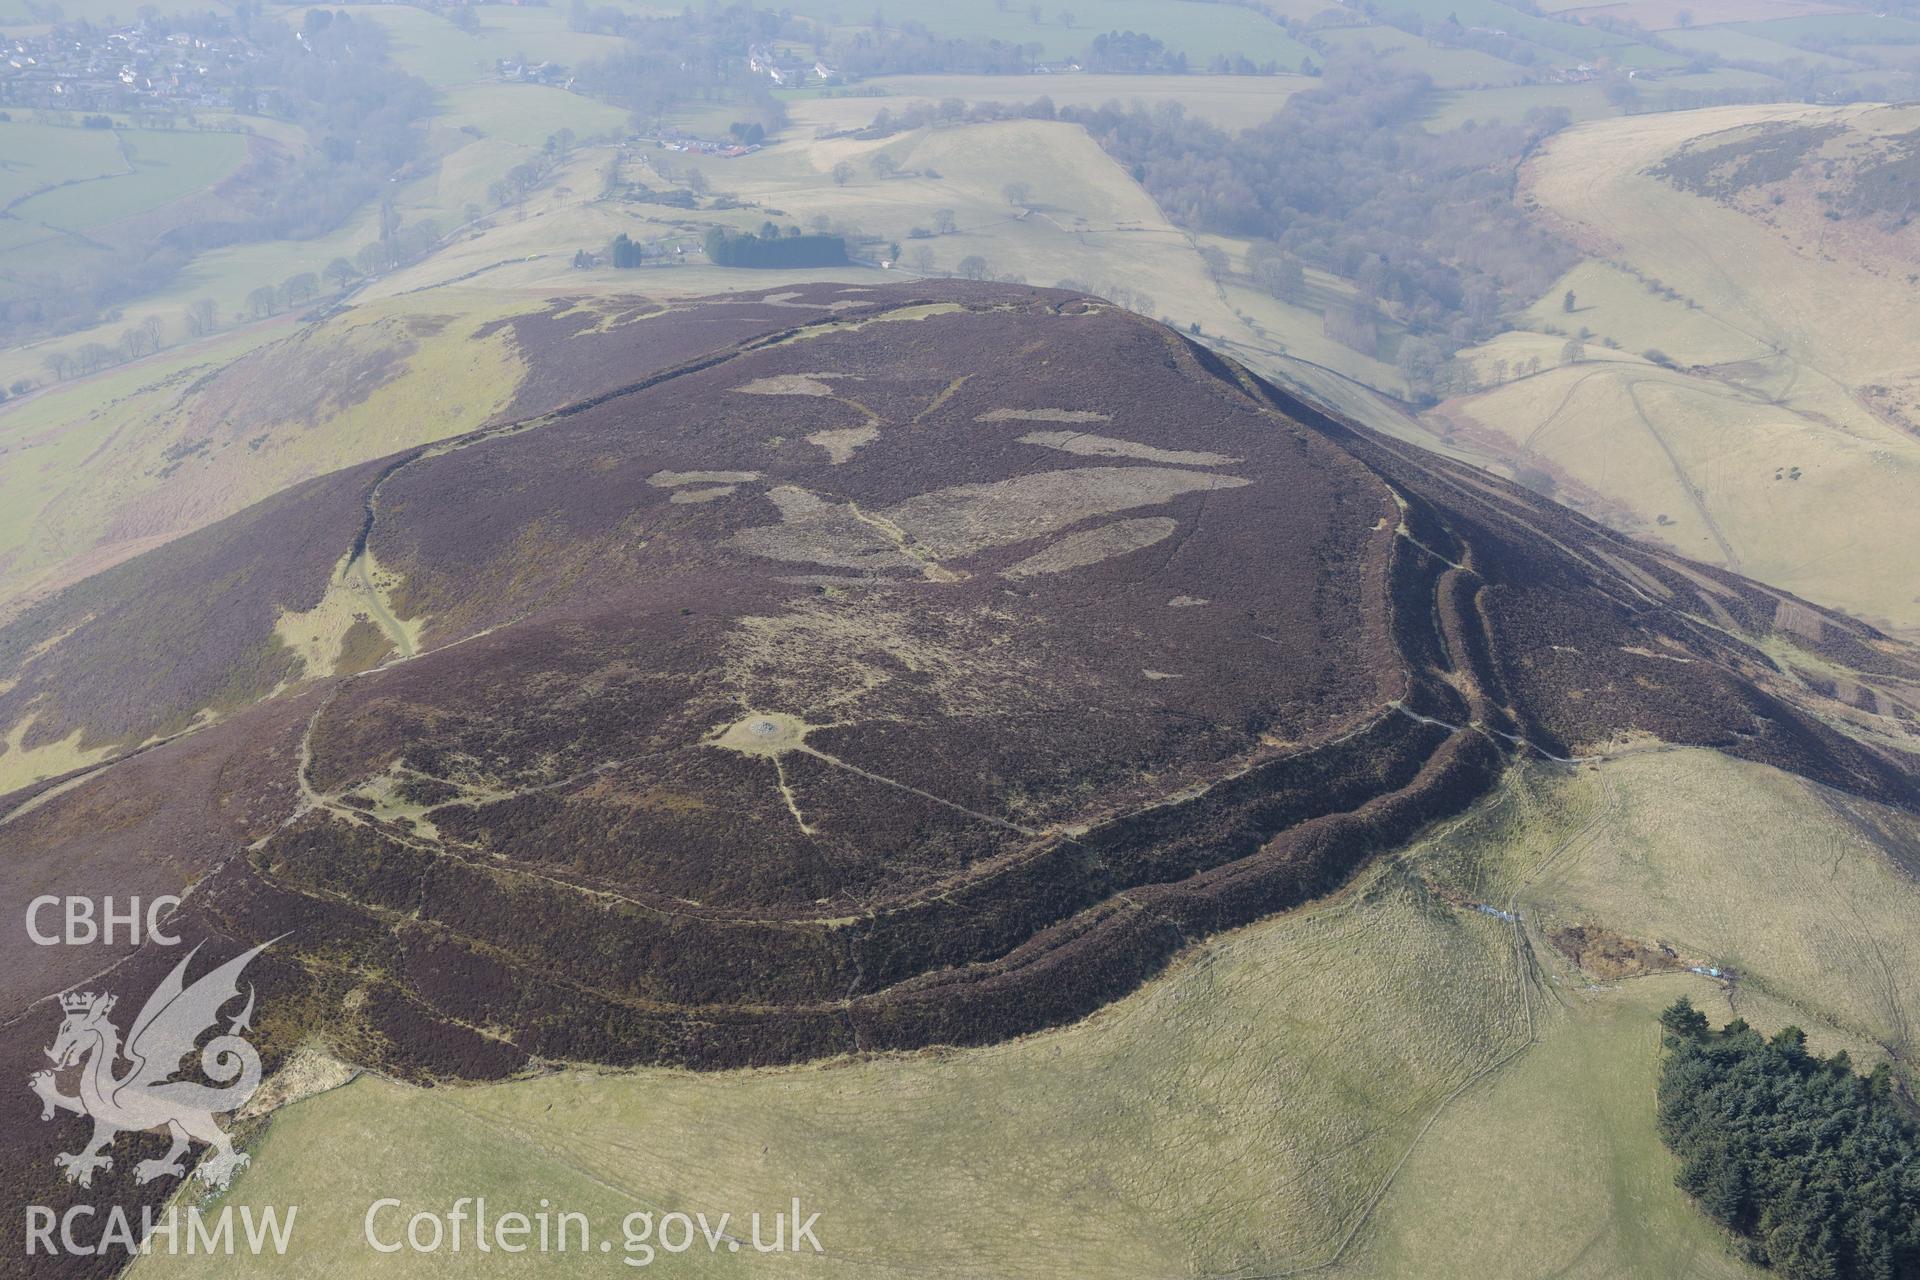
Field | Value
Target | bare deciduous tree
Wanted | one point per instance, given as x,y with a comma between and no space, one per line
300,287
200,317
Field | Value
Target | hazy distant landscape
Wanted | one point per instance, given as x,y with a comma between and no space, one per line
1394,233
1173,625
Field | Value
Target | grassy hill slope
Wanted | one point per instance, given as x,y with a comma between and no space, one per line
1785,442
1392,1080
119,465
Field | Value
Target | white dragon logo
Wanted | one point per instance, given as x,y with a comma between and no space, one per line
147,1098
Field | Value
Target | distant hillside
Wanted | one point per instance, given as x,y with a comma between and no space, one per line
113,469
1731,372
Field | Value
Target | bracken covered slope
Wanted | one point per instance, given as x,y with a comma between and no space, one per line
904,667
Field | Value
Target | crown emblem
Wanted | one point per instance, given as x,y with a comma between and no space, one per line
146,1096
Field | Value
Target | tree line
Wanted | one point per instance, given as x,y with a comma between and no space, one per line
1815,1167
770,248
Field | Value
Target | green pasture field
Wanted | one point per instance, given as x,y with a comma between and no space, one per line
1871,82
60,186
36,156
1511,105
514,120
14,14
1738,45
1231,102
1197,28
1448,68
167,165
526,114
1560,41
1568,37
1851,28
1656,92
443,55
